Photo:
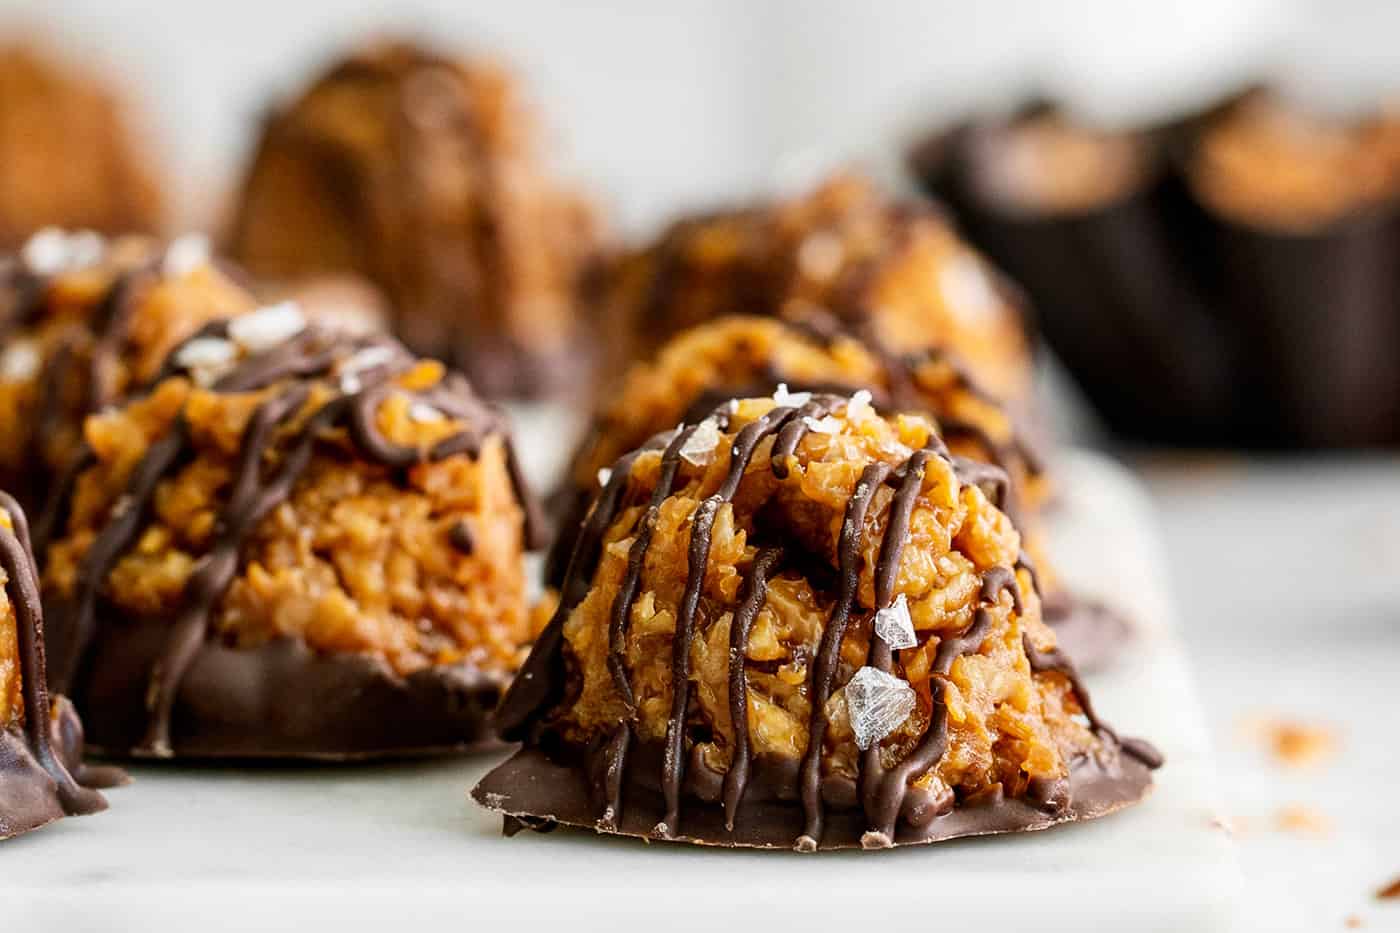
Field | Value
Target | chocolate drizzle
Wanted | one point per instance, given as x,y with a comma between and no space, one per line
22,588
266,473
884,795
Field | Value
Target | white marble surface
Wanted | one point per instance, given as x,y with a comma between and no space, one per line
1287,573
368,847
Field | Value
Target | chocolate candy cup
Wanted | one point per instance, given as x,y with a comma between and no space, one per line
1187,325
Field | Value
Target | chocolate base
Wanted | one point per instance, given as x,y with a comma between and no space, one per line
1091,633
280,700
537,790
29,796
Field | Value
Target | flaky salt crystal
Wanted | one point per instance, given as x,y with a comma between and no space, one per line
827,425
423,413
604,475
877,703
46,252
266,327
967,289
894,625
185,254
359,362
859,405
790,399
820,256
699,447
20,361
85,248
206,358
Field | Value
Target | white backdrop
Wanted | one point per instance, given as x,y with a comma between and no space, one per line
668,103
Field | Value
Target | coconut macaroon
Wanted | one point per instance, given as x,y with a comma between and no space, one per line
86,321
301,543
804,625
896,272
42,777
68,152
423,174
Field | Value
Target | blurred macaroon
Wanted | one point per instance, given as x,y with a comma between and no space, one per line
423,173
70,154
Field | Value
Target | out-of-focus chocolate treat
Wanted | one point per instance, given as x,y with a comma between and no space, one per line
260,557
69,155
802,624
84,322
1082,219
894,272
1303,220
1222,280
42,776
422,173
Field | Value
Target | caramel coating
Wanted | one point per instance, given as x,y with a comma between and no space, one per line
43,403
67,154
1267,163
423,174
1006,724
359,558
896,272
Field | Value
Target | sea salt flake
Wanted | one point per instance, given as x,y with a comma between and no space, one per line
20,361
267,327
895,626
423,413
699,447
604,476
360,362
85,248
46,252
859,405
207,358
827,425
968,289
877,704
185,254
820,256
790,399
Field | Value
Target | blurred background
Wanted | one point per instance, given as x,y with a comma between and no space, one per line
1286,566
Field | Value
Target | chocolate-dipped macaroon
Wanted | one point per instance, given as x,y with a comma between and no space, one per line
737,356
423,174
299,544
42,776
85,321
896,272
69,154
804,626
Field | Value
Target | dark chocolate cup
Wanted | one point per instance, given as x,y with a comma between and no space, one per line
1113,291
279,701
539,789
1318,319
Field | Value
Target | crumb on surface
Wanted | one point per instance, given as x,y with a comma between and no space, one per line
1303,820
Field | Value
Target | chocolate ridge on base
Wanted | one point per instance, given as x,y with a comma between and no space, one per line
282,700
42,777
540,790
